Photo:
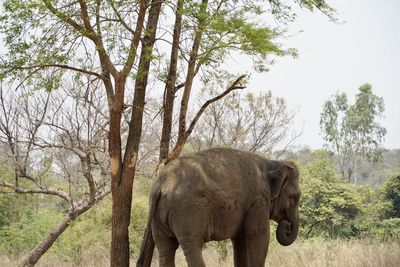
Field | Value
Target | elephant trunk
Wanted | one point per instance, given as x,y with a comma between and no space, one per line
287,230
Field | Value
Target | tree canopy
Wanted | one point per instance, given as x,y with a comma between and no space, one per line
353,131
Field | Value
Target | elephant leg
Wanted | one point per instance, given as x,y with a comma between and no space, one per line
255,235
166,247
239,251
193,254
191,243
166,251
188,225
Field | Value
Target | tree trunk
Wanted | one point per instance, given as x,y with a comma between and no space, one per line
124,171
121,210
170,86
191,72
121,194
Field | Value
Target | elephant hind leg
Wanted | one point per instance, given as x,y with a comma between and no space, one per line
193,254
166,247
188,223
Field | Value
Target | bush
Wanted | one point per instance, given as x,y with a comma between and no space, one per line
138,224
388,229
381,230
21,236
390,197
329,206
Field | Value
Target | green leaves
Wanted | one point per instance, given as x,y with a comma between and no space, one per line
352,131
234,28
390,195
329,206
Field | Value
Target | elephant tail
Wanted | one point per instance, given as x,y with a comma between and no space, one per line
147,249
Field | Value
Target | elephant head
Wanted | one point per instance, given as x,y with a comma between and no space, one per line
285,196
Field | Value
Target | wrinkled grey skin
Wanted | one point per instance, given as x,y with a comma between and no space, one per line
219,194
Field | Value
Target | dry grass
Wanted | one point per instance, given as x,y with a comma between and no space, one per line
336,254
311,253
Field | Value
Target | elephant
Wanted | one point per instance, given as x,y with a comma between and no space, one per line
219,194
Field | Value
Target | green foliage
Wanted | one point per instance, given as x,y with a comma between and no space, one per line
88,236
41,34
21,236
329,206
388,229
321,166
390,196
333,208
26,219
379,229
352,131
138,223
232,31
16,208
13,208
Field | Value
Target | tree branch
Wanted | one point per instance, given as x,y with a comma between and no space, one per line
61,66
56,192
170,87
96,38
111,2
191,72
233,86
135,39
63,17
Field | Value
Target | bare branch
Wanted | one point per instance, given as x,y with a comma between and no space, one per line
61,66
233,86
56,192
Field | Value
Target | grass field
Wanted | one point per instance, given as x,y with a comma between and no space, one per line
310,253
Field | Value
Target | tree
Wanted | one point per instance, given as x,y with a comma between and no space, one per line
121,44
352,131
57,150
390,196
328,205
257,123
382,217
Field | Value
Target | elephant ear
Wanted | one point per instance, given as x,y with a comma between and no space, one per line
278,178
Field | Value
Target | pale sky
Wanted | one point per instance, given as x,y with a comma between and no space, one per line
339,58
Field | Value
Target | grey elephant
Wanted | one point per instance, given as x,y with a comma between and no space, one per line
218,194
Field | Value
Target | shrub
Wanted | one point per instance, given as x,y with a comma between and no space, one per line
390,197
329,206
19,237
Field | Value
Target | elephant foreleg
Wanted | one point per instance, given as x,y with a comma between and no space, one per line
239,251
251,245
